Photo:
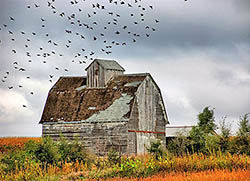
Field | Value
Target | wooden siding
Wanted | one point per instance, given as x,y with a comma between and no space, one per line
151,115
97,76
98,138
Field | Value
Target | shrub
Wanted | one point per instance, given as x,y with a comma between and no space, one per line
72,150
179,145
47,151
114,157
156,149
242,141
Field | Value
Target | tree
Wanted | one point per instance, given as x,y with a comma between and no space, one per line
205,128
242,140
206,121
224,137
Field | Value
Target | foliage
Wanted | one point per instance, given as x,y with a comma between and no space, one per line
114,157
24,164
201,133
203,138
179,145
224,138
47,151
206,121
156,149
242,141
72,151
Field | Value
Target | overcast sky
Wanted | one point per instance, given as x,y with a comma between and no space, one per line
198,52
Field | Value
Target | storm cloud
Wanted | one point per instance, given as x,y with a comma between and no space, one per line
199,55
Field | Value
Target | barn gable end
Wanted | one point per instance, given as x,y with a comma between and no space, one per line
124,113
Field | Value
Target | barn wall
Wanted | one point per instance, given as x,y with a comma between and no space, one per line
151,114
133,125
99,138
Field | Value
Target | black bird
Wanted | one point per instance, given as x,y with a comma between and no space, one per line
32,93
12,19
14,51
22,69
11,87
157,21
24,106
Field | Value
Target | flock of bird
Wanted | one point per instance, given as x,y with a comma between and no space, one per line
90,29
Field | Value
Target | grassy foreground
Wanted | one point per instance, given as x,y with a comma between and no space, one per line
21,164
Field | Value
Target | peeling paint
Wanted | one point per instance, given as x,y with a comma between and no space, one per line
132,84
80,88
116,111
92,108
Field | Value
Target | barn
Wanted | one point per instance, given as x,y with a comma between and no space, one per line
106,109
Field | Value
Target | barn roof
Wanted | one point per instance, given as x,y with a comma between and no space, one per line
70,100
108,64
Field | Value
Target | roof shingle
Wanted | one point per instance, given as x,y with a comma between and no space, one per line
70,101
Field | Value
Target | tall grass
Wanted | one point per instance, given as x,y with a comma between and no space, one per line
28,163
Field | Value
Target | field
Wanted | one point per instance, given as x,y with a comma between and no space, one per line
21,164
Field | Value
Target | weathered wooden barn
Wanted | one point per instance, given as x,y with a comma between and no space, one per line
106,109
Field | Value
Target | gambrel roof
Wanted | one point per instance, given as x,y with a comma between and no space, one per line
70,100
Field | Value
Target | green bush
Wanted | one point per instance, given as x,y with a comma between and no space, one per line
17,159
242,141
114,157
179,145
72,151
156,149
47,151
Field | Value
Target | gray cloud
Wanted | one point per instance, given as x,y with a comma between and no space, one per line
198,55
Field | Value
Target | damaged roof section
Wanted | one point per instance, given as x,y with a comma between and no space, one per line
69,83
69,100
